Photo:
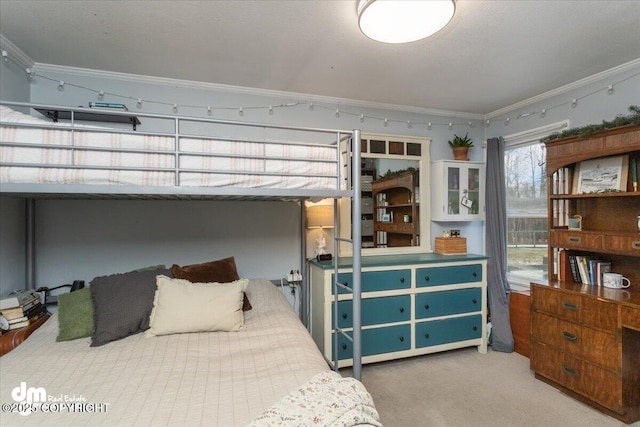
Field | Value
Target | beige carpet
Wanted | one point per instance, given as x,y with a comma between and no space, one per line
465,388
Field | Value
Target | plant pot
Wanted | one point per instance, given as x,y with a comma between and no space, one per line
460,153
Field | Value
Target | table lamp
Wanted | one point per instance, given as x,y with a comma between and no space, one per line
320,216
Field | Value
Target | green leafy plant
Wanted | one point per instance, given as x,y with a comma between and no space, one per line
585,131
459,141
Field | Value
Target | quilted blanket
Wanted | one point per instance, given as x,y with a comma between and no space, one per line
327,400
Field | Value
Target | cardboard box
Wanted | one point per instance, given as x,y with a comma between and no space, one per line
451,245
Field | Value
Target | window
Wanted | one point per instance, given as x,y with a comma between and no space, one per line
526,198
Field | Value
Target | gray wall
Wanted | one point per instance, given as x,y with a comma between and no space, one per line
81,239
594,104
266,244
14,86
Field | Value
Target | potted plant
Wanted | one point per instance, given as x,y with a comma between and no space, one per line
460,146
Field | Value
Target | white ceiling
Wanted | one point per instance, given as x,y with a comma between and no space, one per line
492,54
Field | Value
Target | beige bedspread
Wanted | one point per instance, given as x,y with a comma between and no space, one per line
214,379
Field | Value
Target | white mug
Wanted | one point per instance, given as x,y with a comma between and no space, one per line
614,280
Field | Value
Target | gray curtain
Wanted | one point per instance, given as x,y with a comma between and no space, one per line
496,250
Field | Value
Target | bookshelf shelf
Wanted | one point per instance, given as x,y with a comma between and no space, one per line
98,116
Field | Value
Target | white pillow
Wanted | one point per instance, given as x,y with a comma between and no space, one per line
180,306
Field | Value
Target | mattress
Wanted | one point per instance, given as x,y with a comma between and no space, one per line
215,379
35,151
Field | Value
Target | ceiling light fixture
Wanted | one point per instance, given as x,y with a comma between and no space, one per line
403,21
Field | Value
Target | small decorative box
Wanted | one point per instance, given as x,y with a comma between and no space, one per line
451,245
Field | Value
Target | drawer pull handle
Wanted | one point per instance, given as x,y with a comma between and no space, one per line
401,339
401,309
426,335
402,280
426,278
475,274
426,306
569,306
475,328
344,315
344,346
569,336
571,371
636,245
475,301
574,239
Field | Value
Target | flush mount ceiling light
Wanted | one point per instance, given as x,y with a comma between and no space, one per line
403,21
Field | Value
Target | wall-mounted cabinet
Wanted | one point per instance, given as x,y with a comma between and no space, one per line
458,191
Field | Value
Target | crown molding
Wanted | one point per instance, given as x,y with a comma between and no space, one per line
15,54
299,97
607,74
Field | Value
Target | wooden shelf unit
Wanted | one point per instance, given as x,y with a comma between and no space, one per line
585,338
609,220
399,195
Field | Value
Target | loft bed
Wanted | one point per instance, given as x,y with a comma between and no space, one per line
182,158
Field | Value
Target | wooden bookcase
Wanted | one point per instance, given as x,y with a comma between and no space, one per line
585,339
609,220
396,212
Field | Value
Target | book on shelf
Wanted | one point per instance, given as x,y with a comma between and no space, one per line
36,311
18,299
601,268
19,325
583,269
108,106
34,314
574,268
12,313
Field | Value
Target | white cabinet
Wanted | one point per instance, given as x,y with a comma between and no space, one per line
457,192
412,305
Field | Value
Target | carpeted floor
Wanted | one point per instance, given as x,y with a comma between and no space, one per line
466,388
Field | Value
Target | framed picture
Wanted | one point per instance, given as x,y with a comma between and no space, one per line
386,217
575,222
602,175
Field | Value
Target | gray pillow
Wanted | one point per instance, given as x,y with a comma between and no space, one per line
122,304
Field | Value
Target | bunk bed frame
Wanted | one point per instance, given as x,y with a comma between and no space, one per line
345,184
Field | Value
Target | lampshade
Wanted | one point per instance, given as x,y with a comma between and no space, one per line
320,216
403,21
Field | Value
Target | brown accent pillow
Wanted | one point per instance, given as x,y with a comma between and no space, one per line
221,271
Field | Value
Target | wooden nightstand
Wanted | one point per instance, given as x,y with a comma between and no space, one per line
11,339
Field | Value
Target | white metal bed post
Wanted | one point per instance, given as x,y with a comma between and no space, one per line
356,235
304,289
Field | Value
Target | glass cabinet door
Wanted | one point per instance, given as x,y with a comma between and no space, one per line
458,191
453,191
473,190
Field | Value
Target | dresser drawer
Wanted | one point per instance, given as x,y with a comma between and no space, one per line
600,385
444,331
378,280
598,347
435,276
576,308
376,311
623,244
584,241
377,341
434,304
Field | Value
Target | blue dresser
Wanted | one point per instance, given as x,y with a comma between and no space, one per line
411,305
